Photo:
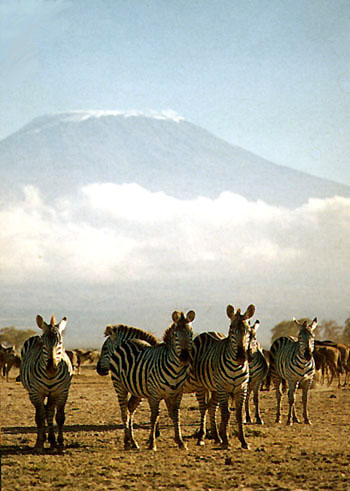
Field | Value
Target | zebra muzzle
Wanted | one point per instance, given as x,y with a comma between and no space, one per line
51,366
101,371
308,355
185,356
242,355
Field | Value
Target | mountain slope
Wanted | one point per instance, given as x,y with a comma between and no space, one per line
60,152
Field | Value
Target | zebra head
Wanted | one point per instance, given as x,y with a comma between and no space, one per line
106,352
52,342
253,342
239,332
180,335
306,338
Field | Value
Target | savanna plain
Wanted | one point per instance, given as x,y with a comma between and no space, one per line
300,457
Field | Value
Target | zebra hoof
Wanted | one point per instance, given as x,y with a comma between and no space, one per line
224,446
38,449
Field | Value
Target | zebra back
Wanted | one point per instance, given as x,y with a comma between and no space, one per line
116,335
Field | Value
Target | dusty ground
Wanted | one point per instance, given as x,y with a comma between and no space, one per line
280,457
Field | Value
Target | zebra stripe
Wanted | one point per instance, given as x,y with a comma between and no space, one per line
220,367
258,369
46,373
116,335
153,372
291,359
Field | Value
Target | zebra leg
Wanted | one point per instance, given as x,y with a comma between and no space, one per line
173,405
40,416
212,405
240,394
258,418
60,419
50,412
277,383
132,406
248,419
225,416
122,394
202,398
154,406
292,416
305,387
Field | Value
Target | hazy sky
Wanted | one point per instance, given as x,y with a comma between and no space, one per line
270,76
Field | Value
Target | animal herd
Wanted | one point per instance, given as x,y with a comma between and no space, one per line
215,367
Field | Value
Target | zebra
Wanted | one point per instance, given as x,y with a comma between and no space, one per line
115,335
154,372
220,367
291,359
46,373
258,369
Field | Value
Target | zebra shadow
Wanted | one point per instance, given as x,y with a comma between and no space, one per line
14,430
30,450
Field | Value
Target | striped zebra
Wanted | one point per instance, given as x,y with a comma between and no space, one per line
258,369
115,335
153,372
46,374
220,367
291,359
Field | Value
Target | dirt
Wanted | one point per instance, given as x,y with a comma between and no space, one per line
300,457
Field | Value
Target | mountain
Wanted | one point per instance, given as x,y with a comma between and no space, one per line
161,152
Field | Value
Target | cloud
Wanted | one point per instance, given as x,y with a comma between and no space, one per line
112,229
115,243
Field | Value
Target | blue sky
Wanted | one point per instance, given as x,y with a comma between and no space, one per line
270,76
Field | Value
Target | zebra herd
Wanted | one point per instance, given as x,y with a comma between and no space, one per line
213,366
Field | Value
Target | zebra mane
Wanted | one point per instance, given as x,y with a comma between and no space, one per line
120,332
168,333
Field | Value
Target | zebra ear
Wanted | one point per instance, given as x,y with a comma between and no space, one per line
62,324
313,324
176,316
256,325
190,316
230,311
249,312
297,322
40,322
108,330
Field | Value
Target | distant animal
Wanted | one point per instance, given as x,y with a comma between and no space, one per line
291,359
5,353
220,367
154,372
12,360
328,360
46,373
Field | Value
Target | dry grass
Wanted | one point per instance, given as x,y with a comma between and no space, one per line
280,458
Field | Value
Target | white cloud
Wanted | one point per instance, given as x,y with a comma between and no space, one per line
289,262
125,229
